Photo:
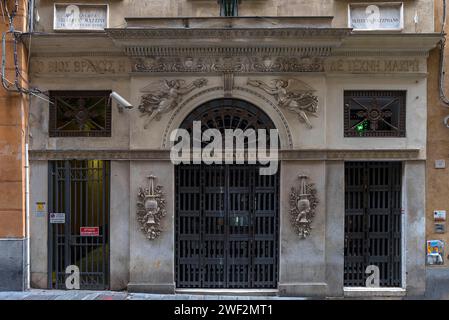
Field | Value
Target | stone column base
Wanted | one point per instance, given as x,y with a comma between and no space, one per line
157,288
13,273
303,289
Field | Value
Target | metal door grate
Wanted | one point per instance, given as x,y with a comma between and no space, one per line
373,222
226,227
80,189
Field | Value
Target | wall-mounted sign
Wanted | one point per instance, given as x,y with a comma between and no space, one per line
439,215
439,228
40,209
88,17
435,252
89,231
376,16
440,164
57,217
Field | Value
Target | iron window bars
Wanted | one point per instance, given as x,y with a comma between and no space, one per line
374,113
229,8
80,114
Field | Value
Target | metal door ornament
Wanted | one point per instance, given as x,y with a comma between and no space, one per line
151,209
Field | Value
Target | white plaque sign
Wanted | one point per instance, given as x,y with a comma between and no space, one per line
88,17
376,16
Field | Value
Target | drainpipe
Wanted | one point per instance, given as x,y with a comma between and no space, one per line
27,217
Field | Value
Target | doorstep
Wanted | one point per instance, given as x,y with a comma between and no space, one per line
229,292
361,292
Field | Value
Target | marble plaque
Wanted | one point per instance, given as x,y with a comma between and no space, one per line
376,16
80,17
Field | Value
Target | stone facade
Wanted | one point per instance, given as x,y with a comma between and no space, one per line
318,50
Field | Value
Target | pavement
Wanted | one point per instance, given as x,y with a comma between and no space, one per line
37,294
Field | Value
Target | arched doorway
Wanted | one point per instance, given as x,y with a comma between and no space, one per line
227,215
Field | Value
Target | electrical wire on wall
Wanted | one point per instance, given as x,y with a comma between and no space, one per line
443,96
16,84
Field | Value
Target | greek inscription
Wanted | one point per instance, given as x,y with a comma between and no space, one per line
86,66
374,66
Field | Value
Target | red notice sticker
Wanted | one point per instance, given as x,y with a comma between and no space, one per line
89,231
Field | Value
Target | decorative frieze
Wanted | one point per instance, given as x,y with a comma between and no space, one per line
331,34
234,64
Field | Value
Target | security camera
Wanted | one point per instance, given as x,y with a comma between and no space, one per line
122,102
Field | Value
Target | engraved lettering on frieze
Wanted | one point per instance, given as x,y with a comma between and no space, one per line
79,66
373,65
163,96
293,95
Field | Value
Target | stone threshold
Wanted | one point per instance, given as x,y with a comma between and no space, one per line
361,292
229,292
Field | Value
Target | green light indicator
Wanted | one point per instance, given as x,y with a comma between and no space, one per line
361,127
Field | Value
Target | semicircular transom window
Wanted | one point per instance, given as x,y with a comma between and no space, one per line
223,114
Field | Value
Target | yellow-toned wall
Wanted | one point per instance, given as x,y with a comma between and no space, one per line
13,109
437,197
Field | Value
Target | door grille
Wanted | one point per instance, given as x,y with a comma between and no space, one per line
373,222
80,189
226,227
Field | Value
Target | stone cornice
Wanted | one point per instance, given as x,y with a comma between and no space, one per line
285,155
228,34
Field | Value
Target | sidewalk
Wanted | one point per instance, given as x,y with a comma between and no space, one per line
36,294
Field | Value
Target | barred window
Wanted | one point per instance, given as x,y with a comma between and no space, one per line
374,113
229,8
80,114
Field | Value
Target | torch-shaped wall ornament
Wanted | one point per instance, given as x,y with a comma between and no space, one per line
303,202
151,209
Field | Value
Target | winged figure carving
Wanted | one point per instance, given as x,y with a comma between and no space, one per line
294,95
164,96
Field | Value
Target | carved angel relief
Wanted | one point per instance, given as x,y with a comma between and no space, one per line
303,202
164,96
151,209
292,94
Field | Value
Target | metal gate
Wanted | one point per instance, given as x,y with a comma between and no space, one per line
372,222
227,222
80,190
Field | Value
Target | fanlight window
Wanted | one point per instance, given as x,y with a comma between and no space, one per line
222,114
80,114
374,113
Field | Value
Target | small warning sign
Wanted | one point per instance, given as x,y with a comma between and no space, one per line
57,217
40,209
89,231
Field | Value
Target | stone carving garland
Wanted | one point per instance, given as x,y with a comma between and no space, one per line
166,97
151,209
303,203
293,95
235,64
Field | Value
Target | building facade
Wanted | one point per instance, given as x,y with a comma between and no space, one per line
13,141
436,173
345,85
